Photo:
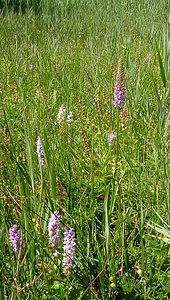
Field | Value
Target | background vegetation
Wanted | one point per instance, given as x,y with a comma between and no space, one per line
66,52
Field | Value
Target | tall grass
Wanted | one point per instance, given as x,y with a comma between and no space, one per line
68,54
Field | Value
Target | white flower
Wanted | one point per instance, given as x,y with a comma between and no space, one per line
111,137
70,117
61,114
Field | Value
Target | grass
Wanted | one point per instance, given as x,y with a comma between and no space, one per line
117,197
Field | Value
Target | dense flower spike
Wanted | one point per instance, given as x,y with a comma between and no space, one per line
40,152
69,249
70,117
61,114
119,90
54,231
15,238
111,137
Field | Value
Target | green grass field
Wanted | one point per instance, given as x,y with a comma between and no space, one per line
115,197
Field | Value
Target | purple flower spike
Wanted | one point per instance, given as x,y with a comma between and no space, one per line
40,152
15,238
69,249
54,231
119,90
111,138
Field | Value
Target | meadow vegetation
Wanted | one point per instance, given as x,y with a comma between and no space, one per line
114,194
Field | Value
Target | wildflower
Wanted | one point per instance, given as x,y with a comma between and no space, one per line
69,249
54,231
119,90
61,114
40,152
111,137
70,117
15,238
